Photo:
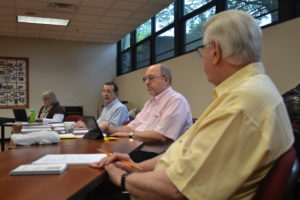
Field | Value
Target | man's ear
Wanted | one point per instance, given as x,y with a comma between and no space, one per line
167,79
217,52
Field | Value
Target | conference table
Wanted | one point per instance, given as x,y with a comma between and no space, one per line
75,183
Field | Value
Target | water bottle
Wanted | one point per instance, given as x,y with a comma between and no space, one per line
32,116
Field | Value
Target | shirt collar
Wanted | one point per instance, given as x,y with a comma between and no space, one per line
238,77
161,95
109,105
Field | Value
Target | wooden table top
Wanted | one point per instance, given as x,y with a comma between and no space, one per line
74,183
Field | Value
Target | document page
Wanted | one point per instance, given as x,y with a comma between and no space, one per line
70,159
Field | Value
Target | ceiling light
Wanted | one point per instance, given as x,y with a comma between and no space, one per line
43,20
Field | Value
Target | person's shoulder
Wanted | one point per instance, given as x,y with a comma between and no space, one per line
58,108
119,105
174,95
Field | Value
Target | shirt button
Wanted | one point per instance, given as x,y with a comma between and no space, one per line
180,141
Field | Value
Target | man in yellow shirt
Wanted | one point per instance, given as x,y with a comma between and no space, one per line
234,143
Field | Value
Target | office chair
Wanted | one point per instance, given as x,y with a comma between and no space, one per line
281,180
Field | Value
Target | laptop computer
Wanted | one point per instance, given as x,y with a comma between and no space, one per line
95,132
20,115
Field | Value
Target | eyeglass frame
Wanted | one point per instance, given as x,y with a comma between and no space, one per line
201,47
151,77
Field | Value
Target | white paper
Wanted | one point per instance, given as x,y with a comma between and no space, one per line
81,131
77,131
26,130
70,159
57,125
36,127
59,128
39,169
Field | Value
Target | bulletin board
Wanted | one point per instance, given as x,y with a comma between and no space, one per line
14,82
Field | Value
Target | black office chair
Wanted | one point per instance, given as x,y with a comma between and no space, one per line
4,120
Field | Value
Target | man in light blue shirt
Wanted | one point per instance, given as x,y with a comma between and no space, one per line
114,113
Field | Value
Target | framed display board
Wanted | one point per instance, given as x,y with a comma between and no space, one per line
14,82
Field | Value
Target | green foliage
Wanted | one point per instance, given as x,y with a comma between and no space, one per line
254,7
164,17
191,5
143,31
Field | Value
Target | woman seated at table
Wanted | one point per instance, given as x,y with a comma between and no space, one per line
51,111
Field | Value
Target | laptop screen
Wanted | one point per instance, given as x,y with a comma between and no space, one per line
20,115
92,126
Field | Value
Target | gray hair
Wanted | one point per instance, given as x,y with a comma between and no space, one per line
50,95
239,36
165,71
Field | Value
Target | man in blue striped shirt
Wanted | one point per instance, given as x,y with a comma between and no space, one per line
114,113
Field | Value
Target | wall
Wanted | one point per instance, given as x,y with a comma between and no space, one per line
281,47
75,71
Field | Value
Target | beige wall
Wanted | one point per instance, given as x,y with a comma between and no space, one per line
75,71
281,47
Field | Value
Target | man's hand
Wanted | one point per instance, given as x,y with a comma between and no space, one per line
120,134
114,174
116,159
104,126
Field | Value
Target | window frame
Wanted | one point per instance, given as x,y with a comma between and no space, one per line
179,31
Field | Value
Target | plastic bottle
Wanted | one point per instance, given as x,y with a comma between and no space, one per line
32,116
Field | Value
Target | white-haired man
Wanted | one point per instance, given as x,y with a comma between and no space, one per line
234,143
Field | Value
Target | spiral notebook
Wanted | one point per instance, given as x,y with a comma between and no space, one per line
38,169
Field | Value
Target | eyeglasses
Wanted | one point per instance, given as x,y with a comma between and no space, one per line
200,49
151,77
107,91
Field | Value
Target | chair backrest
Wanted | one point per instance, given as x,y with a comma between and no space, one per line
277,181
73,118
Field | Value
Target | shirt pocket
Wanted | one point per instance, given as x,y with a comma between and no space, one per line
152,121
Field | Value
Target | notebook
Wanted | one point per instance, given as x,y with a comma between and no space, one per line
20,115
40,169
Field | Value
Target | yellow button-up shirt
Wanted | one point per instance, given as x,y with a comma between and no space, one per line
231,147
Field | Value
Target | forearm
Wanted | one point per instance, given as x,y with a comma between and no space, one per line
111,130
150,164
56,118
149,136
152,185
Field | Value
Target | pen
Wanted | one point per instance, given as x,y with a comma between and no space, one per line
124,161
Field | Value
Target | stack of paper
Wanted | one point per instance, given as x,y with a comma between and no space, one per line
26,129
71,159
40,169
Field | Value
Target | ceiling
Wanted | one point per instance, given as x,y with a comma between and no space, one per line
103,21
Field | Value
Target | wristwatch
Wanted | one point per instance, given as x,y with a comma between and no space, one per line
123,182
130,135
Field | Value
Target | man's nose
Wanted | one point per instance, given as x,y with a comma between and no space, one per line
147,82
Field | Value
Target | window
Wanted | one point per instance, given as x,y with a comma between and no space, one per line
193,29
191,5
177,29
143,54
143,31
265,11
164,45
125,42
164,17
126,62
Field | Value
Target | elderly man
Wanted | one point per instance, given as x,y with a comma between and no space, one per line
114,113
164,117
235,142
